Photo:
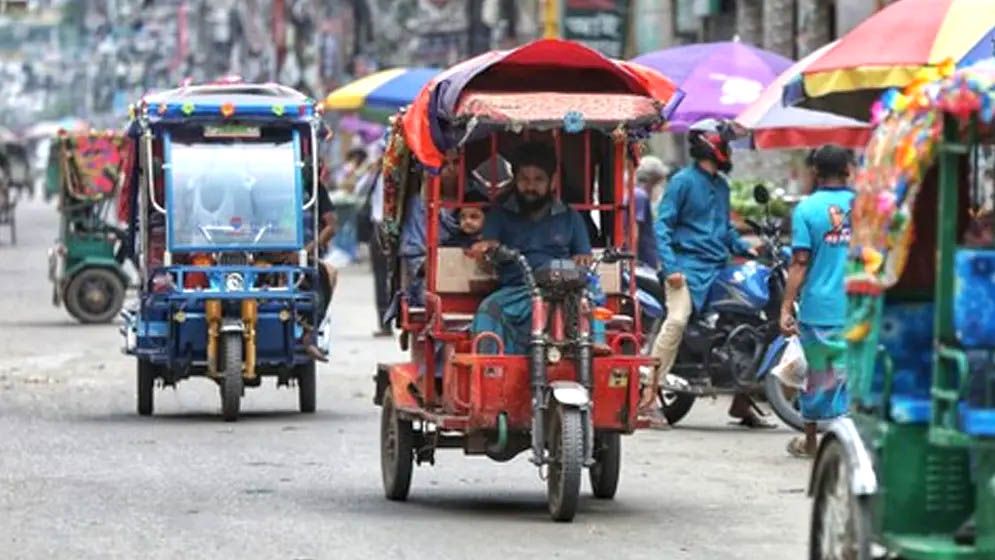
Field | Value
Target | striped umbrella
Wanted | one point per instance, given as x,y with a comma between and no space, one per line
893,48
380,94
774,126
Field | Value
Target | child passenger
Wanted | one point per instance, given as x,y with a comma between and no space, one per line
471,221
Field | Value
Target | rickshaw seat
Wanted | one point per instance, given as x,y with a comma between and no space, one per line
974,299
907,336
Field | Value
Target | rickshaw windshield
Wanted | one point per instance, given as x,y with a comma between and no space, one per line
241,193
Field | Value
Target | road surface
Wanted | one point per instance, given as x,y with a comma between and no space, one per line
82,476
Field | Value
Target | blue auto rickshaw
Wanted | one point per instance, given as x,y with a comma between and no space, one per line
222,205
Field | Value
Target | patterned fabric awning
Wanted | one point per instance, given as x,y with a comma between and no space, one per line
572,111
92,164
899,154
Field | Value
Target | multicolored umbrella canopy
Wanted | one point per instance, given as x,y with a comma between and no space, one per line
719,79
435,123
380,94
892,48
774,126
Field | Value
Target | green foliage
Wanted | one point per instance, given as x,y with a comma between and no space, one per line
742,203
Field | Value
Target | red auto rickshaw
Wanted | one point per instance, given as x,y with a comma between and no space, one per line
563,400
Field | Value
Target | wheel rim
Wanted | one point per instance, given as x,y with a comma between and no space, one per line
95,294
838,539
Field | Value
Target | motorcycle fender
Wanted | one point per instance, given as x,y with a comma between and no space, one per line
570,393
863,480
232,325
771,356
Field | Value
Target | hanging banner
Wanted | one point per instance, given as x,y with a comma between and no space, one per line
599,24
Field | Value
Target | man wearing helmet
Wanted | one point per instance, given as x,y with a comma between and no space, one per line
695,240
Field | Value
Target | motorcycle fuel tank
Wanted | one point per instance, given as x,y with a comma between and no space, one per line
740,288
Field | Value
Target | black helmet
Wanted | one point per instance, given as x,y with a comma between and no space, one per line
709,140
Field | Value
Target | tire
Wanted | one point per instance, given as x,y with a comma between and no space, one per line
231,378
94,295
779,402
396,451
566,452
834,500
306,386
783,407
675,406
604,473
146,387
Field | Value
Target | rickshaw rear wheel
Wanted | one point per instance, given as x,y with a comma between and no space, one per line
566,454
396,450
94,295
146,386
306,386
841,521
604,473
231,380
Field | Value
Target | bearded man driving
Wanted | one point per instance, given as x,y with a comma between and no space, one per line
532,221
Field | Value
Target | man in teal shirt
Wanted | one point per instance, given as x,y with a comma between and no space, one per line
695,239
820,240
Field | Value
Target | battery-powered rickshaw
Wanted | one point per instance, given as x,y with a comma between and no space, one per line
223,207
563,400
911,472
86,263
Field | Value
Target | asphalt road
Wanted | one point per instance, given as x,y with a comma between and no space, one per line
82,476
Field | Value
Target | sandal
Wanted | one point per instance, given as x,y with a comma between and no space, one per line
797,448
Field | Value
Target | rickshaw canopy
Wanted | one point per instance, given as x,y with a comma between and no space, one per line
221,102
900,152
539,85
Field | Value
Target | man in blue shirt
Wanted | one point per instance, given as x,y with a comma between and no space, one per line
531,220
820,239
695,239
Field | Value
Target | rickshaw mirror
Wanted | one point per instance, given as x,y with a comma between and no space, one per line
761,195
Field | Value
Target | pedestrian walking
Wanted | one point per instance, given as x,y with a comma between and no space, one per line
820,239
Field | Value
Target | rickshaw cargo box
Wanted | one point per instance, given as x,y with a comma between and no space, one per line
458,273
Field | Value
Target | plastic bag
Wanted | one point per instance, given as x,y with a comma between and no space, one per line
792,369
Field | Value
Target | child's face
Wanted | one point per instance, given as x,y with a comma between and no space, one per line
471,221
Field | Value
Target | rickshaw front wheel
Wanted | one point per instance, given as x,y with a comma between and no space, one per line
396,450
566,454
146,386
605,471
306,386
841,521
231,380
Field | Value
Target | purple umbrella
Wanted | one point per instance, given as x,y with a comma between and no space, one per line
719,79
367,131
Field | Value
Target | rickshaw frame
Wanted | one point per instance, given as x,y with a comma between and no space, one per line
905,457
487,403
178,332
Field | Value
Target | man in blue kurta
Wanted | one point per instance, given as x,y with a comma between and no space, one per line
820,241
695,239
532,221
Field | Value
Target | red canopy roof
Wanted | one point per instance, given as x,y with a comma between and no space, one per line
547,65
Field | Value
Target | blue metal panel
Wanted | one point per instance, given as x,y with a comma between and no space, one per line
299,188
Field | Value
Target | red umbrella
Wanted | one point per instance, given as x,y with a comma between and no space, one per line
775,126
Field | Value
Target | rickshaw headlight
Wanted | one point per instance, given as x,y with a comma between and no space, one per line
234,282
553,355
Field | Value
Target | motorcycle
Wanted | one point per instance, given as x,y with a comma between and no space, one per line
733,343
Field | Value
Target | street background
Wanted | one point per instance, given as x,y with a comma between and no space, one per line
83,476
